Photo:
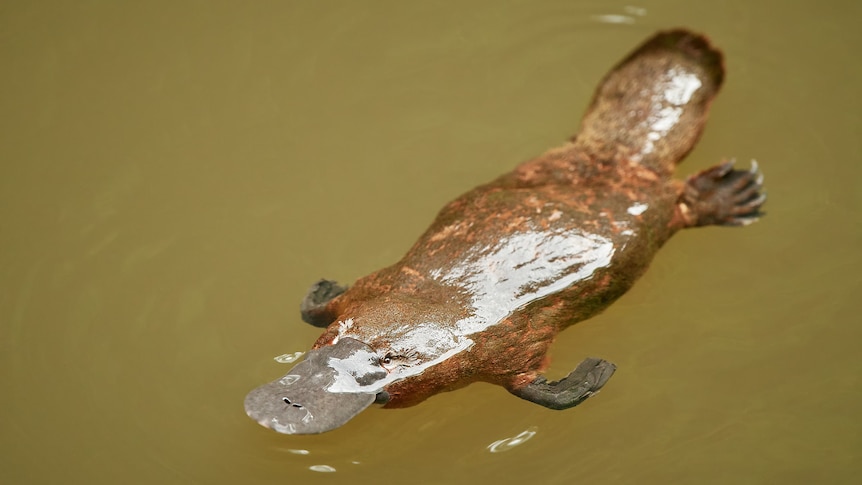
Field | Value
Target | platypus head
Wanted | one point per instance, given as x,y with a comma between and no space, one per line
325,390
388,342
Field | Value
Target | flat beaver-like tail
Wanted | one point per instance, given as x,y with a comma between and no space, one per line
651,108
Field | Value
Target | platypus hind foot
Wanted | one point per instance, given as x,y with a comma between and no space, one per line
581,383
723,196
314,306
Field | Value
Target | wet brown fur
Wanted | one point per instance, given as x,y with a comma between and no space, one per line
588,183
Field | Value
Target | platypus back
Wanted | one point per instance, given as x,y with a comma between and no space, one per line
652,107
507,265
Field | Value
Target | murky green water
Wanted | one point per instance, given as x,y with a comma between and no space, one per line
173,176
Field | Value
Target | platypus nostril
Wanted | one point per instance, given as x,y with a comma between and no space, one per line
287,401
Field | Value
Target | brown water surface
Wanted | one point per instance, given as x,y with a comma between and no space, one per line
173,176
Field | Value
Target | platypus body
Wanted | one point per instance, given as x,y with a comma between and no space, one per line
508,265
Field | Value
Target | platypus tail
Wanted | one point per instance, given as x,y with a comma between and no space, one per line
651,108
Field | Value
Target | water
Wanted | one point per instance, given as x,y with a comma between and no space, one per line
174,175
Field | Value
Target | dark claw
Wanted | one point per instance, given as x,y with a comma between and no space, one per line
581,383
724,168
315,306
725,197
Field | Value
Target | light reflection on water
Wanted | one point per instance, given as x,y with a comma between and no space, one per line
288,358
629,17
507,444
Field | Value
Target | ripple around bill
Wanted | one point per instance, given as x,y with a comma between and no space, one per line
288,358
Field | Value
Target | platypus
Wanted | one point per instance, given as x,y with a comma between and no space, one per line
506,266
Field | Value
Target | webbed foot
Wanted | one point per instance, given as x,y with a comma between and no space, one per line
723,196
314,306
581,383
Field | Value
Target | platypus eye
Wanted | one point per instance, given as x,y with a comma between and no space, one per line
392,361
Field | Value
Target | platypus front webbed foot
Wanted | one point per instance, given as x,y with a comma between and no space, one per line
581,383
723,196
315,306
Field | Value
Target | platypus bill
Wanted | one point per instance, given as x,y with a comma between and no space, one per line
506,266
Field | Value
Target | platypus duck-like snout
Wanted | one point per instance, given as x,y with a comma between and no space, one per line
322,392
